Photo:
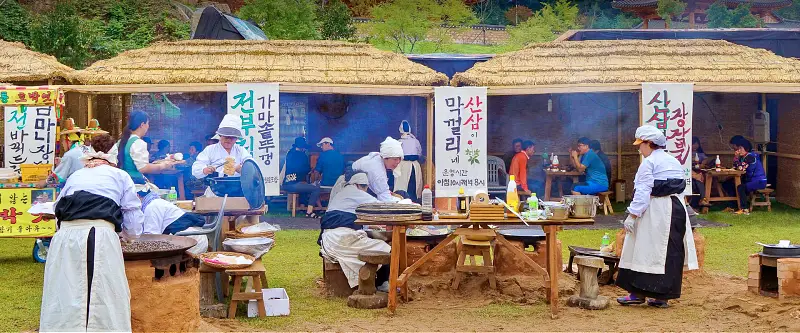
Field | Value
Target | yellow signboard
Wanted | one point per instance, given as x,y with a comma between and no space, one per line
12,95
15,221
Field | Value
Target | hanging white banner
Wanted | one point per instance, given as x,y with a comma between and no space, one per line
30,135
258,105
460,140
668,107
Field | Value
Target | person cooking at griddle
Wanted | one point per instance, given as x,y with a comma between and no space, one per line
225,157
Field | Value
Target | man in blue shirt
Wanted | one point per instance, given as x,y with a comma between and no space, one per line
586,160
330,163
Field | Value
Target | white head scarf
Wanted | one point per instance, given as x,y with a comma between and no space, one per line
652,134
359,179
391,148
403,132
231,125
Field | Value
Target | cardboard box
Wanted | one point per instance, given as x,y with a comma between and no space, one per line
210,205
276,303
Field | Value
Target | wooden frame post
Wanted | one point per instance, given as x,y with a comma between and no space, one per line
89,109
619,138
764,147
429,142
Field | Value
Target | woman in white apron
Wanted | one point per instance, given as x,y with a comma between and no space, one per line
213,159
85,288
377,165
341,240
658,241
410,179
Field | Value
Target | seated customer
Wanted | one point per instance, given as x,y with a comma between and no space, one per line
586,160
754,178
516,147
341,240
519,167
296,169
595,145
330,163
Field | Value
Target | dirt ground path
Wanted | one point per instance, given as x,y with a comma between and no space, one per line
709,303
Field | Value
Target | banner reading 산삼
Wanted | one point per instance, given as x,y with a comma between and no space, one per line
30,135
15,221
258,106
668,107
460,120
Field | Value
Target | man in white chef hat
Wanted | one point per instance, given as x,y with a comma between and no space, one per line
213,158
377,166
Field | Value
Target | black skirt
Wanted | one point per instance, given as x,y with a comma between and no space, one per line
668,285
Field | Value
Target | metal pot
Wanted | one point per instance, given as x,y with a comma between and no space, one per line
774,250
582,206
557,212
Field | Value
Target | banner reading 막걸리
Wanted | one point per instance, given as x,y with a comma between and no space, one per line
15,221
668,107
258,106
460,120
30,135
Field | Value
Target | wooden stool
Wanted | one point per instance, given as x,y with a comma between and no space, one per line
336,283
604,199
365,297
761,198
258,275
474,248
291,202
588,268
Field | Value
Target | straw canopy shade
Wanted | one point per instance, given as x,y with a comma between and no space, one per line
218,61
632,61
17,63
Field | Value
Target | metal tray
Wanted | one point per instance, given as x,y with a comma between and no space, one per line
183,243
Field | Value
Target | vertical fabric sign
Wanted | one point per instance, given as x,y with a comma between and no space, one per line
258,106
668,107
460,119
30,135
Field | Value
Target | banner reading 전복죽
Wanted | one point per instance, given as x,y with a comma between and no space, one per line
668,107
258,106
460,120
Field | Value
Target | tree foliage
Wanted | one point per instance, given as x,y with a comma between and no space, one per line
792,12
362,8
14,22
336,21
719,16
669,9
619,21
404,23
545,25
283,19
518,14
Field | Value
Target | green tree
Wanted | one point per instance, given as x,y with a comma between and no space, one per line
14,22
545,25
518,14
669,9
336,21
63,34
619,21
404,23
792,12
283,19
719,16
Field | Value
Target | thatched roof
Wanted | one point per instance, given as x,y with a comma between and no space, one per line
632,61
17,63
216,61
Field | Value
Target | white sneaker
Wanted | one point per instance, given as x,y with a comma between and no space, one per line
384,287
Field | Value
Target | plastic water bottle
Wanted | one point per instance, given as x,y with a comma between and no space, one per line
512,198
718,164
427,198
533,202
172,196
606,240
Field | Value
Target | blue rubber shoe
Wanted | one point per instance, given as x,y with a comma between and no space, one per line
630,300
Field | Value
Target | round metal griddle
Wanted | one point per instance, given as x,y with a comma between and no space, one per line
773,250
253,184
183,243
523,234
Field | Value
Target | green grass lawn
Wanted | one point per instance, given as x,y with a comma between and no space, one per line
295,265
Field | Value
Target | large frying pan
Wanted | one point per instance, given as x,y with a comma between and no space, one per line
774,250
183,243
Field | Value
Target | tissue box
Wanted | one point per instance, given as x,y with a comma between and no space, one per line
276,303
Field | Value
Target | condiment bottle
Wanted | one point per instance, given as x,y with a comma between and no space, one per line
555,162
718,164
462,201
427,198
512,198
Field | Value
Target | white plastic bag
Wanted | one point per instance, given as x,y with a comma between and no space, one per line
255,246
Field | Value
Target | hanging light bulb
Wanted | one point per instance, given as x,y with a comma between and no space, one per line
550,103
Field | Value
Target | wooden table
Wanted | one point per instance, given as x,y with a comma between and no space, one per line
399,261
179,174
709,176
550,175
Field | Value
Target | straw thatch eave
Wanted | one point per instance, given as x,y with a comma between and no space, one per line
217,61
632,61
18,64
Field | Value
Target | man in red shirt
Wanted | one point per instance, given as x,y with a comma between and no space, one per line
519,166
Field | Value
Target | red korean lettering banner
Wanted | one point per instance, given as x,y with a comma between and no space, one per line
669,107
15,221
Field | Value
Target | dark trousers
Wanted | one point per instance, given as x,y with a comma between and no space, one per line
309,191
183,223
382,275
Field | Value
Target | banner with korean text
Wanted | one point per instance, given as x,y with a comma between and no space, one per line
668,107
30,135
15,221
460,119
258,106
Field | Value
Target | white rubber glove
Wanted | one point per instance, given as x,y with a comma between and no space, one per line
629,224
